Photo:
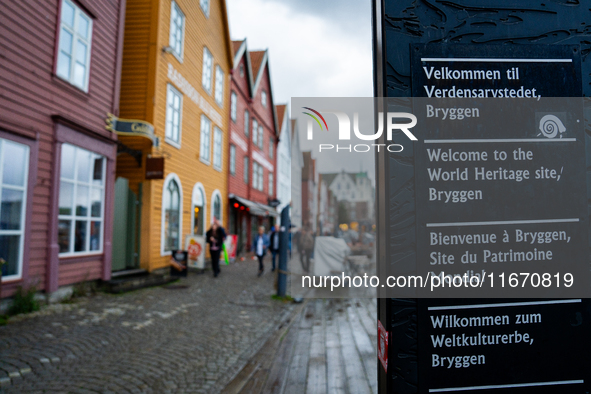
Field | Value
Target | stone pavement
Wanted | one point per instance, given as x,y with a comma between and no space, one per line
330,347
192,336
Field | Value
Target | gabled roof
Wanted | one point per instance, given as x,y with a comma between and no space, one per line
239,51
259,60
236,45
256,60
280,109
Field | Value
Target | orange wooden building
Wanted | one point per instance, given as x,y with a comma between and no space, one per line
171,166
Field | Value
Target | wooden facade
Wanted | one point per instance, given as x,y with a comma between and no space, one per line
251,84
45,112
151,68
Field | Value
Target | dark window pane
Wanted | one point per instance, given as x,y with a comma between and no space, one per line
80,236
10,251
63,238
96,196
11,209
97,173
95,235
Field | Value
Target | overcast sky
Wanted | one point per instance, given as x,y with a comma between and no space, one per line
317,48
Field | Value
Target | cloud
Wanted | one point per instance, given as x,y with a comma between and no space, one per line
326,53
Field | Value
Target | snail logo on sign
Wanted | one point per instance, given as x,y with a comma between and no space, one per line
551,126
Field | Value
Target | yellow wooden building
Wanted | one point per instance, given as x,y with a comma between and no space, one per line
177,59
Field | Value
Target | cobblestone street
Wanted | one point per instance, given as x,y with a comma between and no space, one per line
193,336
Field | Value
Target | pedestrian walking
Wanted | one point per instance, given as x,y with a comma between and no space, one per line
306,248
215,237
274,245
259,246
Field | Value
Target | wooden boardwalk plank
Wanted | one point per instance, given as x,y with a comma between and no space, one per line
356,376
296,379
366,350
317,364
335,376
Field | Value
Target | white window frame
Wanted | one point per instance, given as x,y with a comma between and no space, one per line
264,98
218,143
255,136
246,169
75,39
72,217
172,91
255,175
24,189
207,76
204,4
261,136
170,177
216,193
219,85
203,149
233,106
177,52
246,123
232,159
198,188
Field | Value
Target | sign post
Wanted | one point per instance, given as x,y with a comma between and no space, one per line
496,188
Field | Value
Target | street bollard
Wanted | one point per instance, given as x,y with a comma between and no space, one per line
284,243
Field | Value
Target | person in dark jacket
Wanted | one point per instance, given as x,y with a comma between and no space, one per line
274,243
215,237
260,243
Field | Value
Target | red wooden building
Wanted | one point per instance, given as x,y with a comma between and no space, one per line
60,62
253,145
